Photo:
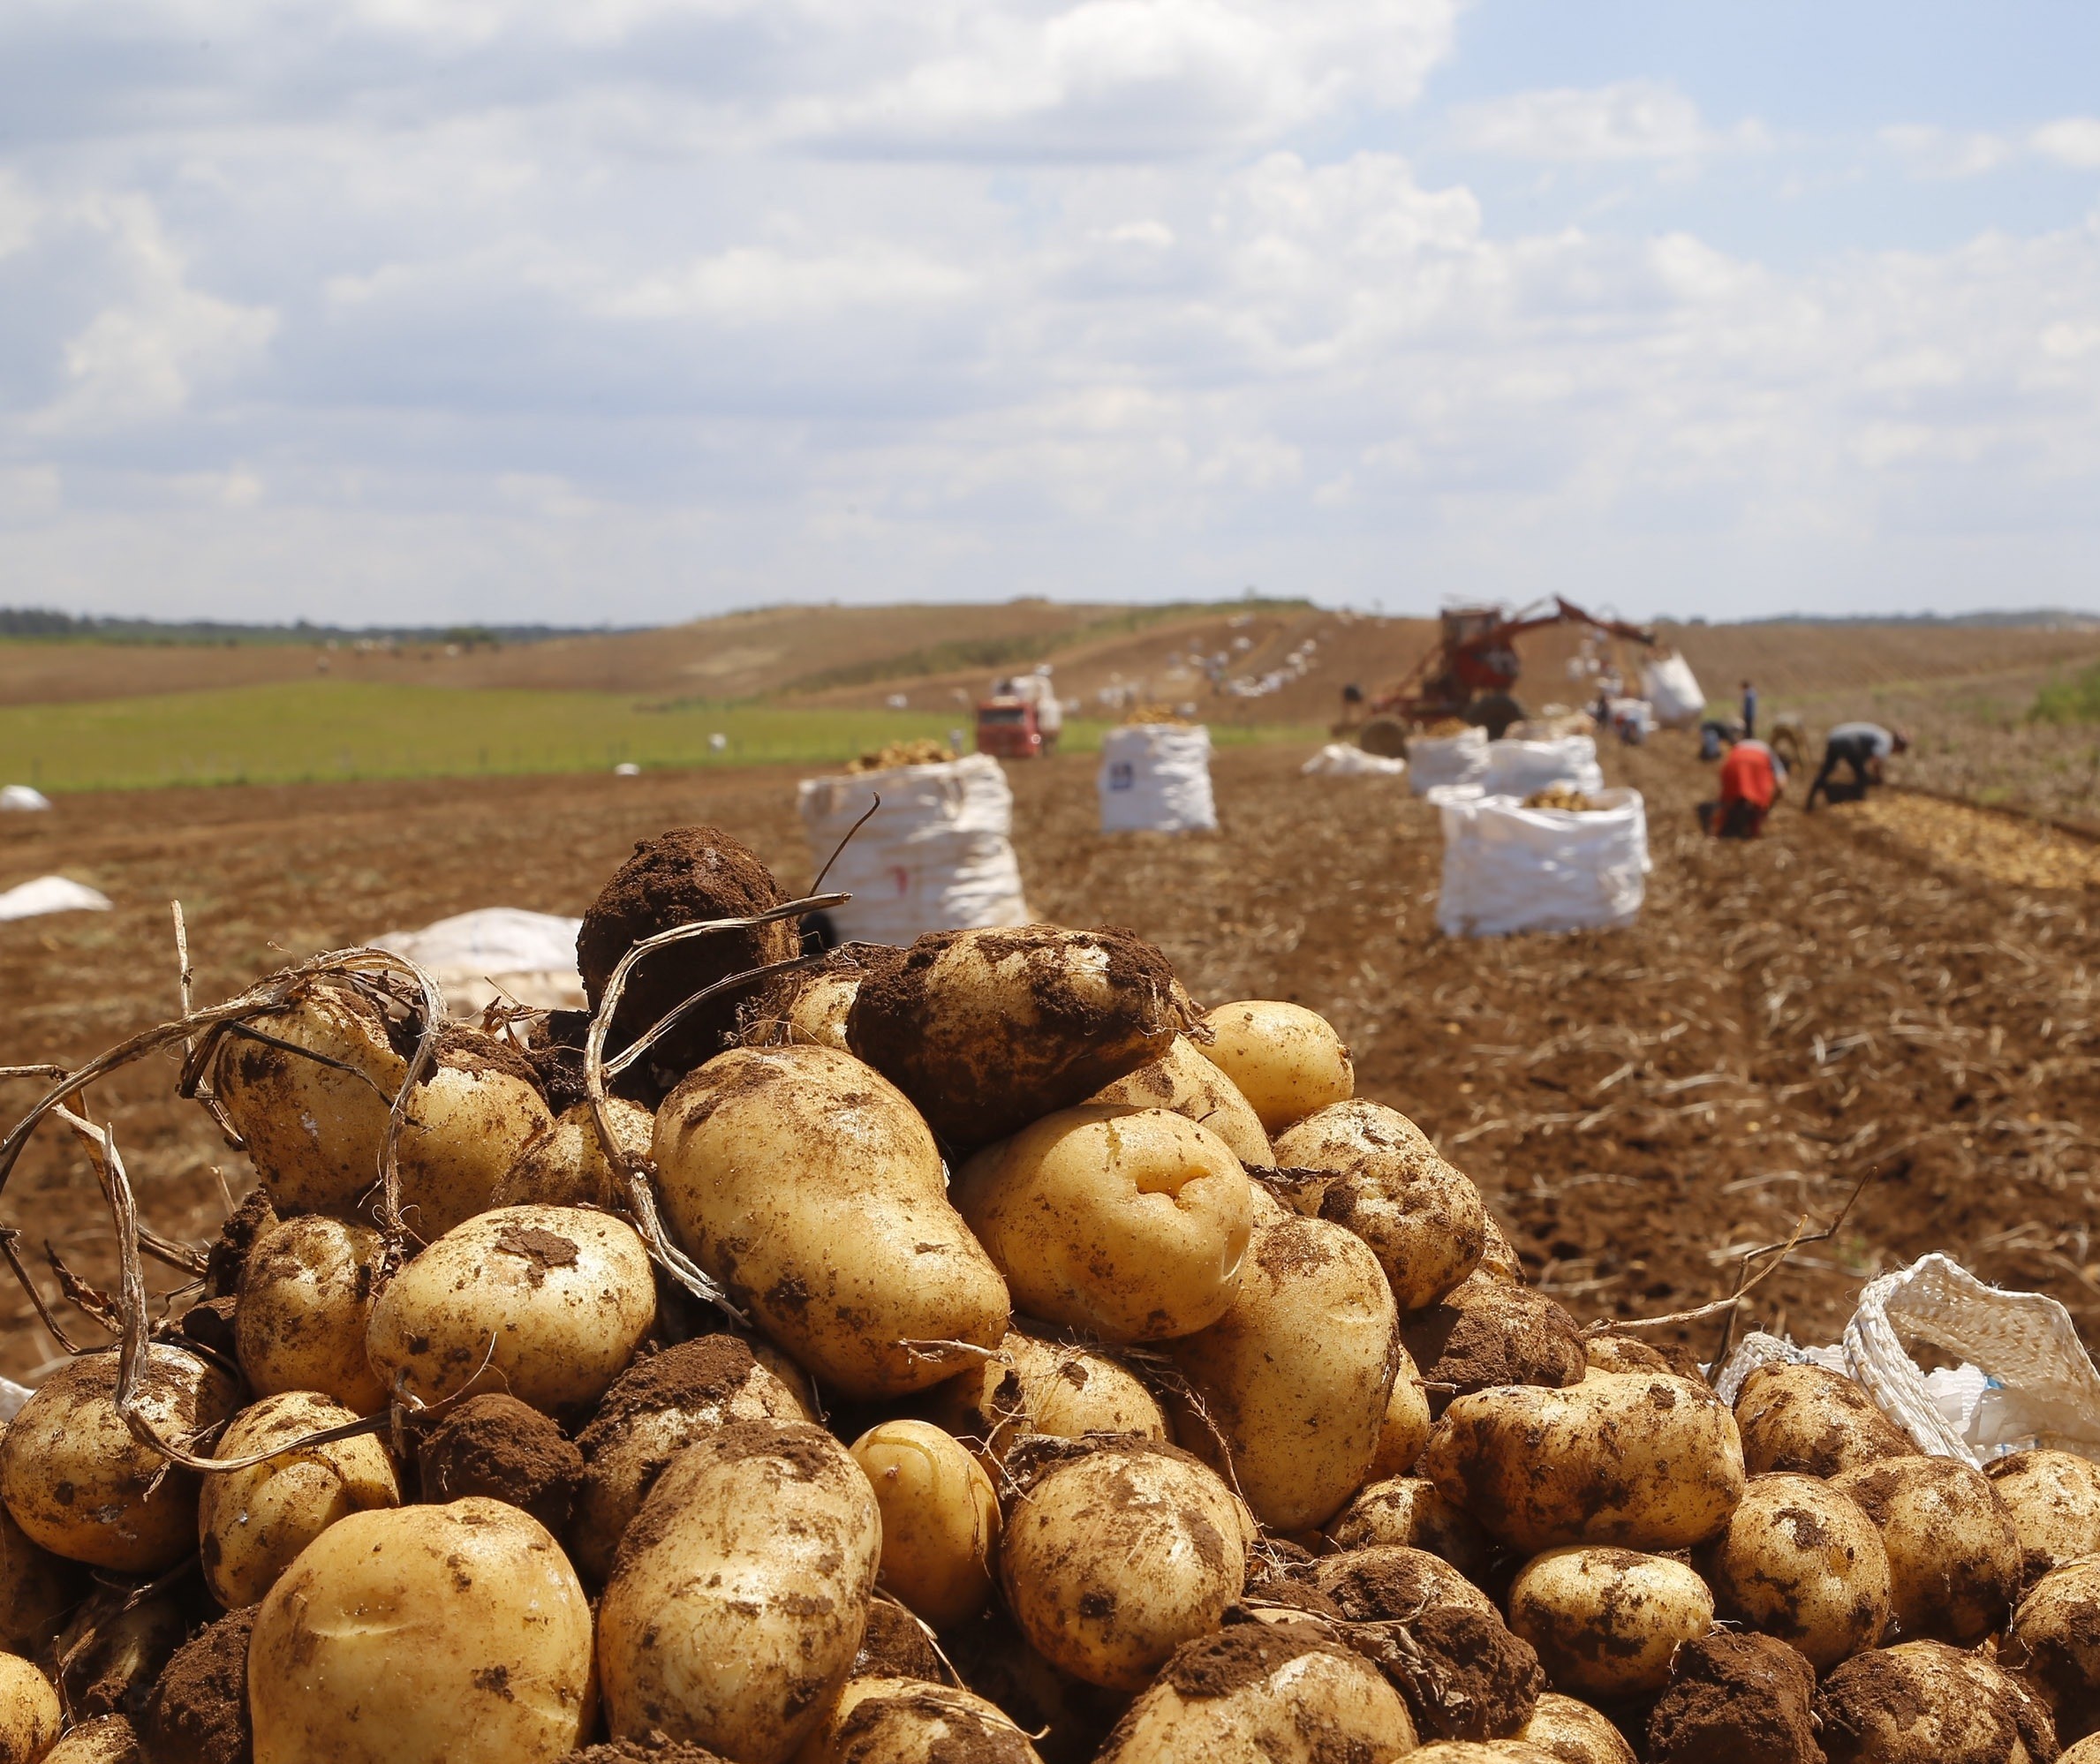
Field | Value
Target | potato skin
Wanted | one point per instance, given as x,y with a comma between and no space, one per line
2053,1499
1130,1223
1285,1059
1485,1332
1403,1430
306,1300
939,1518
1818,1423
36,1587
564,1164
1647,1461
741,1592
907,1720
1574,1733
2054,1647
1184,1080
1608,1621
1409,1512
1923,1702
805,1182
423,1635
29,1712
1953,1561
1801,1561
107,1739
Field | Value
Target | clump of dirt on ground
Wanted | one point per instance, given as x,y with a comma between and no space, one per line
1736,1699
497,1446
199,1714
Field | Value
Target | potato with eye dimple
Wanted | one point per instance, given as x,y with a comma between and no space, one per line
1130,1223
939,1518
1286,1060
306,1299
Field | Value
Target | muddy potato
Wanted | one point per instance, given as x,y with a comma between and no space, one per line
1069,1391
1409,1512
113,1649
1953,1561
29,1712
1606,1621
907,1720
1498,1256
2086,1752
564,1164
1801,1561
1130,1223
1646,1461
2054,1498
1804,1419
1572,1732
77,1482
1286,1060
939,1518
741,1592
817,1014
1372,1170
803,1181
1926,1703
1481,1752
548,1303
1116,1551
1382,1583
1261,1693
1296,1377
197,1713
2054,1647
423,1635
1403,1430
251,1523
1622,1353
36,1587
1486,1333
988,1030
107,1739
306,1300
1736,1699
1184,1080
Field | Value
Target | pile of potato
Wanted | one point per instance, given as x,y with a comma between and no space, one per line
1112,1382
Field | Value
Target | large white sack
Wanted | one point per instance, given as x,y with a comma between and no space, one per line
1338,760
1507,868
496,952
1517,768
1156,777
1437,761
937,856
1669,684
21,798
51,894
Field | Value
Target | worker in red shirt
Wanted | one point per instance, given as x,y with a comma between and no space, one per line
1752,777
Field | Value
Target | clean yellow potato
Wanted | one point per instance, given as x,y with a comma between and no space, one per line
1130,1223
1953,1561
2054,1498
1607,1621
803,1181
36,1587
939,1518
1804,1419
2054,1646
251,1523
423,1635
1376,1173
741,1592
1403,1430
548,1303
1646,1461
1286,1060
816,1015
29,1712
1574,1733
564,1164
305,1302
1115,1551
1184,1080
77,1482
1923,1702
1292,1384
1800,1561
1407,1512
908,1721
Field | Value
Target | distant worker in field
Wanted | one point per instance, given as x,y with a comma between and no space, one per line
1861,746
1750,711
1752,778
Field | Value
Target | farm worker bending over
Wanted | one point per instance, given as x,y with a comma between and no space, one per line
1861,746
1751,780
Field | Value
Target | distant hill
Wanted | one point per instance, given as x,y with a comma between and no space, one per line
36,622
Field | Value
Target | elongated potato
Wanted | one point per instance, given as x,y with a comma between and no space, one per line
1923,1702
29,1712
2054,1647
423,1635
564,1164
1184,1080
1296,1378
1285,1059
805,1182
1572,1732
1646,1461
741,1592
1801,1561
1804,1419
1608,1621
306,1300
548,1303
2053,1499
1130,1223
907,1720
939,1518
1953,1561
1409,1512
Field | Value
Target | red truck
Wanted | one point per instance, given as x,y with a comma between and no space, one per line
1007,730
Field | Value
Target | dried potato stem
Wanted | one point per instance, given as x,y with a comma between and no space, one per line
9,1236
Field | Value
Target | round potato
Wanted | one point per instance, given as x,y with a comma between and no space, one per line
1607,1621
1292,1384
741,1592
805,1182
36,1587
907,1720
1953,1561
1486,1333
821,1005
564,1164
251,1523
1409,1512
305,1301
1184,1080
1622,1353
1115,1550
29,1712
939,1518
2054,1647
2053,1499
1383,1584
1646,1461
1130,1223
1926,1703
1481,1752
2086,1752
77,1482
1372,1170
1801,1561
106,1739
1403,1430
1286,1060
1804,1419
1069,1391
1572,1732
548,1303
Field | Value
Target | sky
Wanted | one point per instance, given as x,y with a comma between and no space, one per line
630,310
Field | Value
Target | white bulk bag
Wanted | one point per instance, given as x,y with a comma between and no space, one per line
1156,777
496,952
1507,868
21,798
1517,768
1669,684
1436,761
51,894
1337,760
937,856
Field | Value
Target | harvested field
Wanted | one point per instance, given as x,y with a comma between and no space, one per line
1638,1107
2004,847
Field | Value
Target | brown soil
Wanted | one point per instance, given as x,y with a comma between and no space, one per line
1231,1659
497,1446
694,1375
1391,1584
656,1748
1735,1699
199,1714
1487,1333
895,1645
1474,1680
229,1253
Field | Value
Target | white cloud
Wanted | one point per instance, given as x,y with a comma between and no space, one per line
1634,119
2074,142
1948,153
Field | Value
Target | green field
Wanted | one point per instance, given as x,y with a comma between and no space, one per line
315,730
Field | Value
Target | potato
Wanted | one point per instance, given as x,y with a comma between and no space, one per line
1115,1550
1403,1430
661,1405
1805,1419
107,1739
1069,1391
77,1482
251,1523
1735,1699
806,1183
1646,1461
305,1300
2054,1647
939,1518
819,1012
1953,1561
113,1649
1294,1381
1480,1752
36,1587
1067,1718
2054,1498
1286,1060
564,1164
907,1720
1262,1693
456,1634
1184,1080
495,1446
741,1592
1385,1584
2086,1752
29,1712
1498,1256
548,1303
1622,1353
1926,1703
1574,1733
1800,1561
1371,1169
1409,1512
1607,1621
1130,1223
198,1710
1485,1332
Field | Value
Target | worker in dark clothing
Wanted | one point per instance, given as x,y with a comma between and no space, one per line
1861,746
1750,711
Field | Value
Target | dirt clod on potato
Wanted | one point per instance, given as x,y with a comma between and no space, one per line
557,1057
896,1646
497,1446
694,1375
1938,1701
229,1253
198,1712
1217,1665
1487,1333
1736,1699
656,1748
